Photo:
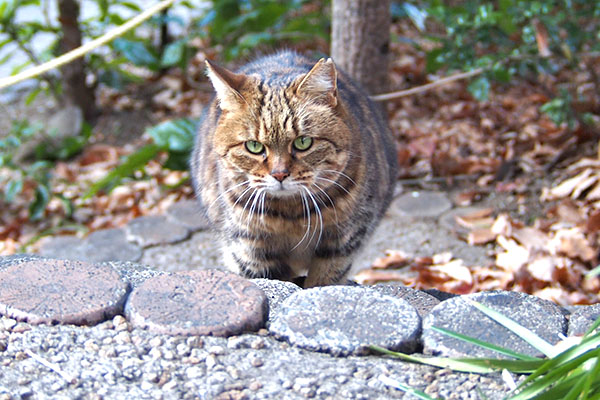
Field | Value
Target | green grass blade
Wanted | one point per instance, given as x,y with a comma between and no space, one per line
405,388
486,345
473,365
591,378
592,328
534,340
569,369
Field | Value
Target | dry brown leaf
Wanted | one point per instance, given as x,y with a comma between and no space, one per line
531,238
372,276
393,259
480,236
567,187
542,269
573,243
514,257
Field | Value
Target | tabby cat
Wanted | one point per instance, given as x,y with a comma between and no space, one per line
295,167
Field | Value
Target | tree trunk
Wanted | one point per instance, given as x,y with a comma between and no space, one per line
360,41
76,91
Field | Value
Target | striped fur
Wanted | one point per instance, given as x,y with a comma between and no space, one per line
332,195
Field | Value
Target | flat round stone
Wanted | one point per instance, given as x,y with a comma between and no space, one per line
151,230
110,245
61,292
344,320
421,301
64,247
421,204
206,302
189,214
276,291
543,317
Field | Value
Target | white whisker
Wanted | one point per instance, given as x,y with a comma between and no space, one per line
227,191
318,210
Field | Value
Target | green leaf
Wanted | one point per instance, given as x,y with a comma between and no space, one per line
38,206
174,53
480,88
13,188
136,52
174,135
594,272
32,95
132,163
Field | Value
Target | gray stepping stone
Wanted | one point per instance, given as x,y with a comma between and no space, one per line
46,291
543,317
189,214
276,292
110,245
207,302
151,230
421,204
344,320
582,318
420,300
65,247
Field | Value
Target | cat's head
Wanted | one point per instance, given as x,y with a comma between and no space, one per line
284,138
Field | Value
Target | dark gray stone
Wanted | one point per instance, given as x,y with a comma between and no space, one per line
420,300
45,291
110,245
344,320
542,317
64,247
189,214
582,318
276,292
207,302
421,204
151,230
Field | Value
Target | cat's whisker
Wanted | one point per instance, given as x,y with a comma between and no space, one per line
248,215
306,211
330,201
227,191
318,211
333,183
259,192
341,174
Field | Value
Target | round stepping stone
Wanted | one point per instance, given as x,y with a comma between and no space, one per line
421,204
48,291
189,214
151,230
543,317
206,302
64,247
276,291
110,245
344,320
420,300
582,318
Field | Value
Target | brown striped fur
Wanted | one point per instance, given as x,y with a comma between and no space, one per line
286,212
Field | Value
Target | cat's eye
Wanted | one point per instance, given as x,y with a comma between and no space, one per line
255,147
302,143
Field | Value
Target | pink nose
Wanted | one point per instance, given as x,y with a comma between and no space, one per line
280,175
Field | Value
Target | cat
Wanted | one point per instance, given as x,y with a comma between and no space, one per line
294,165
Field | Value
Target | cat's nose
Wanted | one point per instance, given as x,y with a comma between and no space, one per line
280,175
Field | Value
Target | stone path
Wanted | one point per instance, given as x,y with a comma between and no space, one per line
88,320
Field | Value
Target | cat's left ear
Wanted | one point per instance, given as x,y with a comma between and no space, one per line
320,83
228,86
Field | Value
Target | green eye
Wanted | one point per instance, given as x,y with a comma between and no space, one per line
255,147
302,143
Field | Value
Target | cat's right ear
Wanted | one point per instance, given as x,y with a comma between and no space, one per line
227,85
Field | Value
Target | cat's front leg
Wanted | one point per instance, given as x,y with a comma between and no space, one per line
328,271
252,261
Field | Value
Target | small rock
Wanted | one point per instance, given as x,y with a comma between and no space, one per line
61,291
205,302
64,247
151,230
276,292
540,316
421,204
345,320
